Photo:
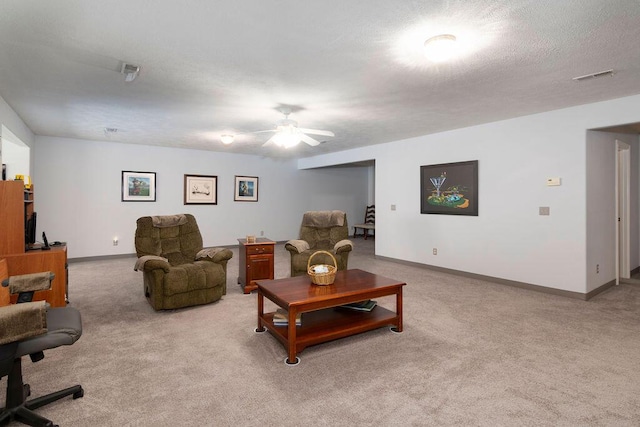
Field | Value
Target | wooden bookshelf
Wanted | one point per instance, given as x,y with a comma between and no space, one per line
12,210
16,202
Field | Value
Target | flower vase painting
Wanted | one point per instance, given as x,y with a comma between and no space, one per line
449,188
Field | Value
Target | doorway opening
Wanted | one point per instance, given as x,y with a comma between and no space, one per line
622,217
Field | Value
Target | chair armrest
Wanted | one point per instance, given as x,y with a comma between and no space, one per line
214,254
20,321
343,246
29,282
152,262
297,246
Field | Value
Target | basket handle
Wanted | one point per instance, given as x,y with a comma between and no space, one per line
322,252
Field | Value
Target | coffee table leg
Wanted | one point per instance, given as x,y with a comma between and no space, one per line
291,338
260,327
398,328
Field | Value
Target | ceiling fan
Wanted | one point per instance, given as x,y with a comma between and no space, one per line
288,134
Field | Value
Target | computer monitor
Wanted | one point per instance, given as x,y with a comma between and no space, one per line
30,229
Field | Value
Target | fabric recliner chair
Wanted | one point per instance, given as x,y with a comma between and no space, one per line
178,272
320,231
31,328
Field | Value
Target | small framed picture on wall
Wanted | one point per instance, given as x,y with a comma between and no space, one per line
138,186
246,189
200,190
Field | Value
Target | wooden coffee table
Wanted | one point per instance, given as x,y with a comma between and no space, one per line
321,321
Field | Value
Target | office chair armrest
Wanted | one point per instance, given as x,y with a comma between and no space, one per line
20,321
214,254
343,246
297,246
151,262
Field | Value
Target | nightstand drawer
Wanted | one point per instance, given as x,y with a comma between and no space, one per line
259,249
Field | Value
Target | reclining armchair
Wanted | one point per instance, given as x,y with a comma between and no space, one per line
320,231
30,328
178,272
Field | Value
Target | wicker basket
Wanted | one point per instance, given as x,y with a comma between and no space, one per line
322,278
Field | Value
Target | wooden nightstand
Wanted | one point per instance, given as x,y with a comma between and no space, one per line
256,262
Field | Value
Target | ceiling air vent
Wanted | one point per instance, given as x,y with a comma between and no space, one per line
130,72
593,76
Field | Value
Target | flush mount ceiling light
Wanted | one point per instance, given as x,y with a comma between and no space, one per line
130,72
227,139
440,48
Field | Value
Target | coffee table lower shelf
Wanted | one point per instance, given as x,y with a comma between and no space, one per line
329,324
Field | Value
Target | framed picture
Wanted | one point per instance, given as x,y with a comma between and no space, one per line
138,186
246,189
449,188
200,190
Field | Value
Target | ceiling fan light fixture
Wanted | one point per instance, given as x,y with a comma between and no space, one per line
286,139
287,136
227,139
440,48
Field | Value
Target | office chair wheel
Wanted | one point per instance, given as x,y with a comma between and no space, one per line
78,394
26,390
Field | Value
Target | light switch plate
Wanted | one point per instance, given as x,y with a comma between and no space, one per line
553,181
544,210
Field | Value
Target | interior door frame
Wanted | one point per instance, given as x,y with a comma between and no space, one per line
622,210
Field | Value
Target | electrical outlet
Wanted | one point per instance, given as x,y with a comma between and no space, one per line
597,268
115,241
261,233
435,251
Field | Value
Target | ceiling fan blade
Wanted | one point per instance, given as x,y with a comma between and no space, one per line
269,141
312,142
317,132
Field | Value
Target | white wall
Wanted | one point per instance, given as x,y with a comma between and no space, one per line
13,130
14,123
371,190
15,154
78,193
508,239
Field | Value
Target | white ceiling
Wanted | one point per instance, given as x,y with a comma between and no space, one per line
354,67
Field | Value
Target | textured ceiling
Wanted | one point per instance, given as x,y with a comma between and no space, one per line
353,67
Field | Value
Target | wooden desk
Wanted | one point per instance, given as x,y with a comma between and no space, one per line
54,260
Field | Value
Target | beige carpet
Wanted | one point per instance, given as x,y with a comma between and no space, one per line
472,353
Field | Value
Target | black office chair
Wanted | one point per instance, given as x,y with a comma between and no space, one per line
32,328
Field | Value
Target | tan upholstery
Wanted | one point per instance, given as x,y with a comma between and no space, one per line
320,231
177,272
